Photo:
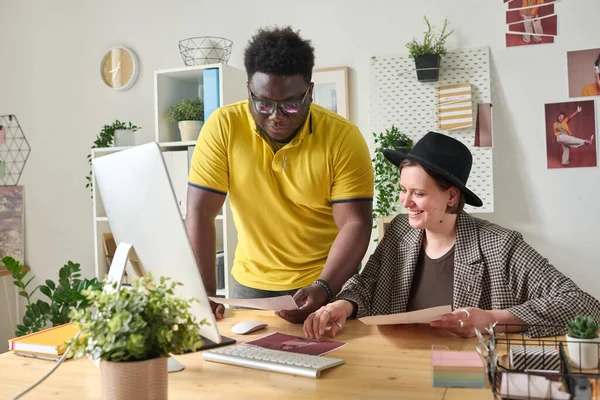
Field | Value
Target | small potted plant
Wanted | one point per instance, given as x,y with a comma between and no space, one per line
132,332
427,54
583,342
117,134
189,114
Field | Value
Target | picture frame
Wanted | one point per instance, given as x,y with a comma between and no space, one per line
331,89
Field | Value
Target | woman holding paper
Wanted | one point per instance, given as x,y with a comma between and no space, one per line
437,255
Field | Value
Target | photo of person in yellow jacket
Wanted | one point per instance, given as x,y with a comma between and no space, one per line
593,89
532,24
565,137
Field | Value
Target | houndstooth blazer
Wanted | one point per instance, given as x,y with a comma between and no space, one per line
494,268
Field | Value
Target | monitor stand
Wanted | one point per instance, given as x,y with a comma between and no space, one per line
124,255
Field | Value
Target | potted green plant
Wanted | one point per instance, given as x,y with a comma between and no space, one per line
106,138
427,54
63,295
386,174
189,114
132,332
583,342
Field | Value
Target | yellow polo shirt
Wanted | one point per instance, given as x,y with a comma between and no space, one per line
282,202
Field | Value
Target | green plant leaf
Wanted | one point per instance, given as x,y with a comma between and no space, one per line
23,293
63,273
44,307
28,321
44,289
50,284
36,310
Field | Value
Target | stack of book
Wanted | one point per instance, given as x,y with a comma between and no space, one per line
48,344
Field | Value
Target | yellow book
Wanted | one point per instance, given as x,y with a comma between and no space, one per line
47,341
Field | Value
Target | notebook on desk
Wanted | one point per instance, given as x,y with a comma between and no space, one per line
48,341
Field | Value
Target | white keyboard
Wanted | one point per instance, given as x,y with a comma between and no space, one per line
271,360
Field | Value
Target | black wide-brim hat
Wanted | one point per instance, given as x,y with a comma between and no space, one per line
443,155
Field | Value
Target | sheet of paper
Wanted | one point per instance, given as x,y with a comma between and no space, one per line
525,386
280,303
413,317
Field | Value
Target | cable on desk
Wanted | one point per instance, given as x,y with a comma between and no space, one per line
43,378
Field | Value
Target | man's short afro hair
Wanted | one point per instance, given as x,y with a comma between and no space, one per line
279,51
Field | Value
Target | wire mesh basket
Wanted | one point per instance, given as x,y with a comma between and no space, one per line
202,50
521,367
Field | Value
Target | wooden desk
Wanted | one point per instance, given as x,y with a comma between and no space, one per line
381,363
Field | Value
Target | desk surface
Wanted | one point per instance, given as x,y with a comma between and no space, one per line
381,363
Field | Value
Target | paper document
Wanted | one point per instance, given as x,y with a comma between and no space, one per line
413,317
279,303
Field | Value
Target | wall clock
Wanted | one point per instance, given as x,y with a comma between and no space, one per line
119,68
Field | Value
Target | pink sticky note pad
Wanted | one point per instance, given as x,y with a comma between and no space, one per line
449,358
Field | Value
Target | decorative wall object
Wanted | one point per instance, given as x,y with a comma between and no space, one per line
484,125
202,50
119,68
428,52
12,237
14,150
570,134
455,107
584,72
331,89
397,98
530,22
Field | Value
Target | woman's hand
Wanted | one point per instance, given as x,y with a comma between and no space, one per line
462,321
335,313
579,109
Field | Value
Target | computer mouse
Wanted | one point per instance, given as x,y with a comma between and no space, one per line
245,327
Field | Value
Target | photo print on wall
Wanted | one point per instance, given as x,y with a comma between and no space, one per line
584,72
571,134
530,22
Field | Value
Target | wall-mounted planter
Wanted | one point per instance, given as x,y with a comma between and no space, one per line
428,67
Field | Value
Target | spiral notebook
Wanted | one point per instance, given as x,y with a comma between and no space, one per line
454,106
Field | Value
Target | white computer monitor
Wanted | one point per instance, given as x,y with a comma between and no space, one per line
142,211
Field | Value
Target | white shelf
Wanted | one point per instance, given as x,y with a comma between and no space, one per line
170,145
171,86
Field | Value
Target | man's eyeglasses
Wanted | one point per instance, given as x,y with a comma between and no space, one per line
268,106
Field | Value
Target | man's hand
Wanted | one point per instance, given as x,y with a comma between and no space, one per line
217,309
309,299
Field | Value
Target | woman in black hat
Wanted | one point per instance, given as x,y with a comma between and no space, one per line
437,254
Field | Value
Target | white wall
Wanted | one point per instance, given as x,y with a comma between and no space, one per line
50,53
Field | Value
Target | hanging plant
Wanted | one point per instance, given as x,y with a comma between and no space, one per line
386,174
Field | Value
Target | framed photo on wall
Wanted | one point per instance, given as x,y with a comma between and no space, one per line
331,89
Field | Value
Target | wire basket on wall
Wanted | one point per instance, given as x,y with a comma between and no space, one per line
202,50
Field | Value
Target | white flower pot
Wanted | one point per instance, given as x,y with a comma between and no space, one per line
583,353
190,130
124,137
135,379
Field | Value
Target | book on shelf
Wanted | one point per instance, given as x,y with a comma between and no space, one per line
49,341
210,89
220,269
